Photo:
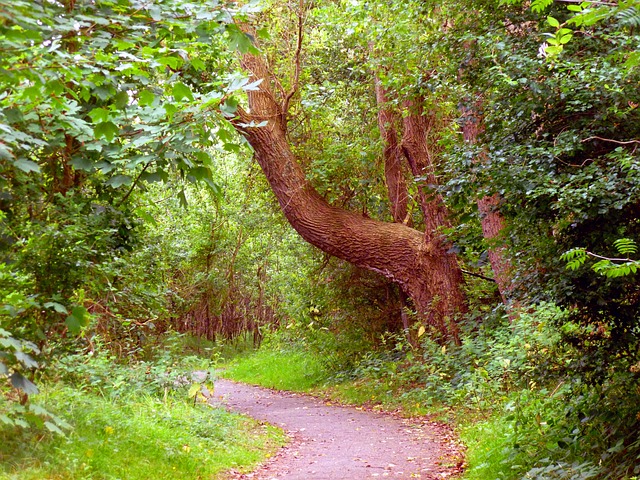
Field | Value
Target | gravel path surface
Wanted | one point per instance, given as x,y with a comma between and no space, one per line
334,442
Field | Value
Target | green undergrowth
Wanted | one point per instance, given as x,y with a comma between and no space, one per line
134,437
300,370
135,420
485,451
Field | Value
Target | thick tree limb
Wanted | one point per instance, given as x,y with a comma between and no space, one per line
398,252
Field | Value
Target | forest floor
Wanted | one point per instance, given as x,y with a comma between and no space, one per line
336,442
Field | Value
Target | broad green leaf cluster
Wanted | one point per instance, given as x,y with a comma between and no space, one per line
99,98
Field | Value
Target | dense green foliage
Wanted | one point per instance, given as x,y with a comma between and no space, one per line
129,208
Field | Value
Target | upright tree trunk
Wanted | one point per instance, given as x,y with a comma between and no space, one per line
397,190
393,160
394,250
416,150
448,287
491,219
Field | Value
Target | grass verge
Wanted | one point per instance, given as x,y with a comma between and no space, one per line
292,370
135,437
301,371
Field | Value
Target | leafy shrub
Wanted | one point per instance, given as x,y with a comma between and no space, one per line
101,370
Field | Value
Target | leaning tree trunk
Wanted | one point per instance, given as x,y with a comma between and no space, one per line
394,250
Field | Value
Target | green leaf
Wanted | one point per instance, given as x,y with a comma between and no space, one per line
78,319
183,199
194,390
263,33
633,60
99,115
253,86
5,152
238,40
57,307
108,130
200,173
203,157
27,165
553,50
573,253
14,343
171,62
229,107
626,246
575,264
540,5
214,187
553,22
6,420
73,324
180,91
119,180
38,410
82,163
146,216
20,422
121,100
53,427
23,383
158,176
566,38
575,258
146,97
171,109
603,267
155,12
26,360
124,45
198,64
55,87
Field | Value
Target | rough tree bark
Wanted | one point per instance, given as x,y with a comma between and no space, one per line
397,190
394,174
448,274
414,148
491,219
398,252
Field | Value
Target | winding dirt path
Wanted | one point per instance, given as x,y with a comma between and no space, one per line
333,442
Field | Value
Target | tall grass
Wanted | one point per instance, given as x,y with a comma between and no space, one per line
138,436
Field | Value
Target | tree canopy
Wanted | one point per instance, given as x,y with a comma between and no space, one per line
470,156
